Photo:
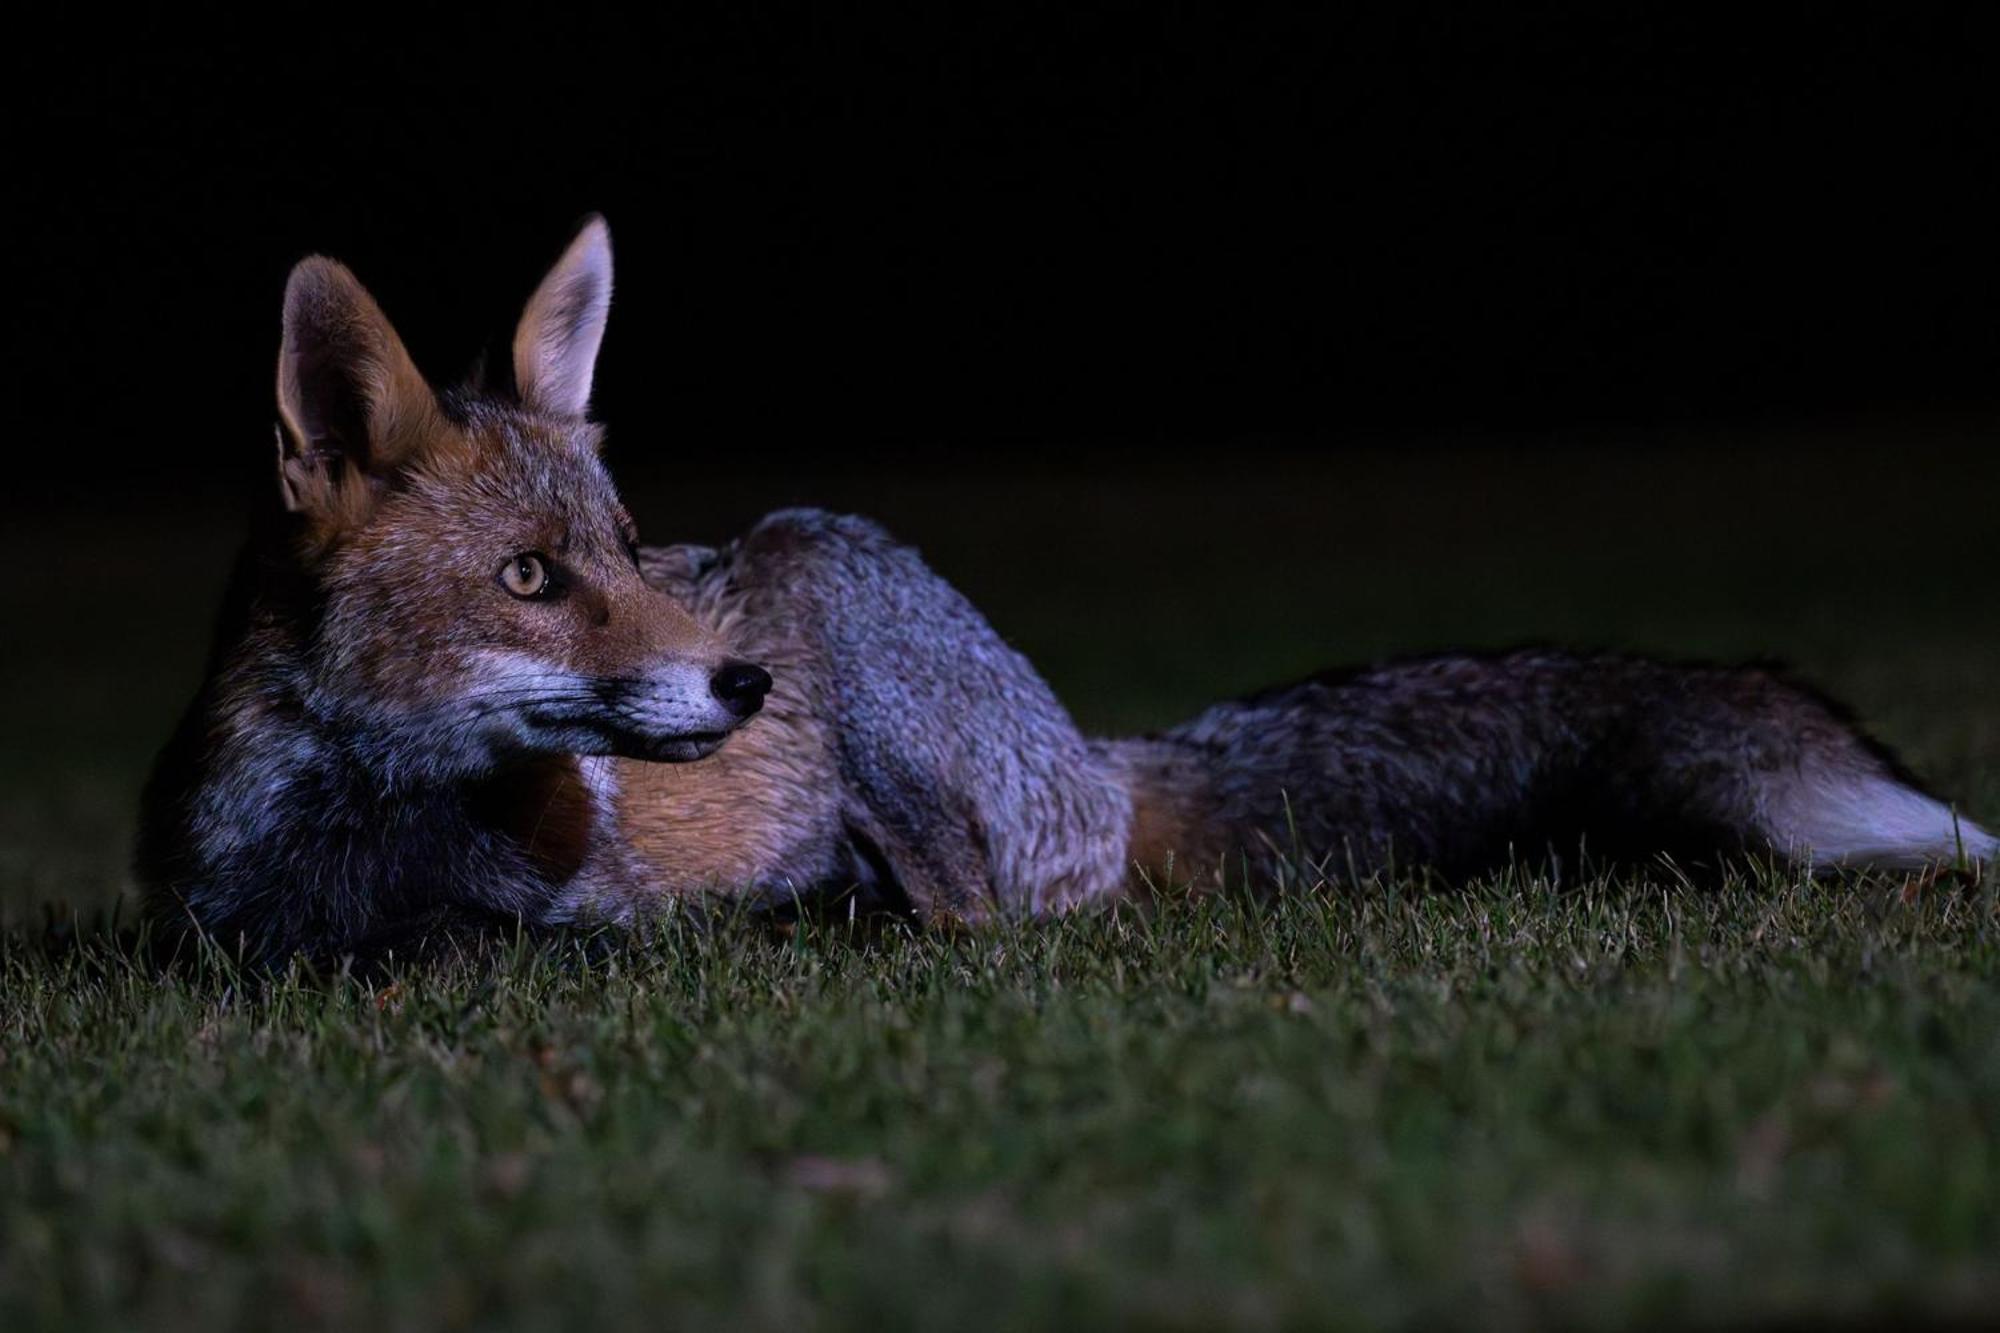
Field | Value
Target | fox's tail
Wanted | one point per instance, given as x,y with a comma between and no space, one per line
1463,764
1832,818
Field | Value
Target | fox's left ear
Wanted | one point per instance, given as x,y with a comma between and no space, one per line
555,346
354,410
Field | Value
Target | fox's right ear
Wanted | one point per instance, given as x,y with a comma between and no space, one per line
555,345
352,404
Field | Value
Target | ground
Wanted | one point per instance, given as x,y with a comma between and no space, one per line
1358,1106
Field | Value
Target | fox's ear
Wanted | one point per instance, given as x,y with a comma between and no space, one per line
353,405
555,346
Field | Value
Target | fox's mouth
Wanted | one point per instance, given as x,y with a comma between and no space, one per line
613,737
680,749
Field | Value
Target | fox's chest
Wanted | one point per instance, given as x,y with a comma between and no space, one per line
547,811
761,812
615,837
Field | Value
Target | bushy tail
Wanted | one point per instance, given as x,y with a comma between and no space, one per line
1834,819
1464,763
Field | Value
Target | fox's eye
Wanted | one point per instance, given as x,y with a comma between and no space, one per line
525,575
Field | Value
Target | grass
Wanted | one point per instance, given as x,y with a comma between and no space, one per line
1359,1106
1351,1110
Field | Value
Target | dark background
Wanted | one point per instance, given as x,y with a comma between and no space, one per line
925,241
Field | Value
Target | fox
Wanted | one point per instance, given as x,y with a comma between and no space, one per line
448,678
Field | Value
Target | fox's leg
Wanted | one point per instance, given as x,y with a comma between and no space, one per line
926,841
963,779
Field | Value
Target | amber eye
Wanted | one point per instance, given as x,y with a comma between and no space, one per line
526,575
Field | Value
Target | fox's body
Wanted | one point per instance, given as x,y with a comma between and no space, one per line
1455,764
449,678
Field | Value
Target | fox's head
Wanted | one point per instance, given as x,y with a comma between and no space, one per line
475,579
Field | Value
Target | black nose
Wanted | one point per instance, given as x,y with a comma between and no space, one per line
741,687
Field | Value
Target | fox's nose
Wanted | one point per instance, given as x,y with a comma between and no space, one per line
741,687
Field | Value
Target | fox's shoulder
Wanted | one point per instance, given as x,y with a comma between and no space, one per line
805,524
812,539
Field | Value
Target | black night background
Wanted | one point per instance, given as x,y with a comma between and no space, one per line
955,241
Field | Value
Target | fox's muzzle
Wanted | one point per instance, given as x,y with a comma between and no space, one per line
673,715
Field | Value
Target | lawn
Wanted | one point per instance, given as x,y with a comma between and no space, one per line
1356,1106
